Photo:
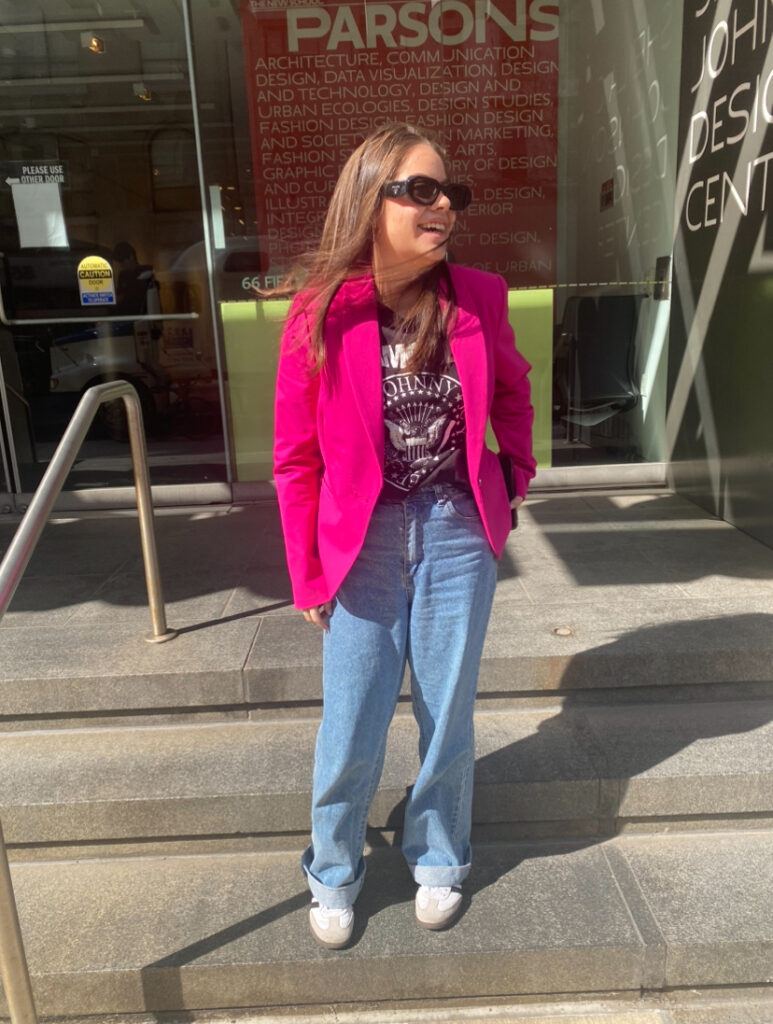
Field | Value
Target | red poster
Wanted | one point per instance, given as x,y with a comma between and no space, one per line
483,74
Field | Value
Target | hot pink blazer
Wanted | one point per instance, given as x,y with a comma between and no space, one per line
329,426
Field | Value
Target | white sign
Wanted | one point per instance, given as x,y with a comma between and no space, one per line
39,215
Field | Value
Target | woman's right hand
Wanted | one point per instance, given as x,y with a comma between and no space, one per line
319,615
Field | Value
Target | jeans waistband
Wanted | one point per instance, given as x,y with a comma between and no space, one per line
438,492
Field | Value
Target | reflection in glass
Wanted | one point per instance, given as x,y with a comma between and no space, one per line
98,116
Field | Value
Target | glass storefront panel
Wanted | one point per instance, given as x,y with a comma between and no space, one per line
620,70
240,258
562,119
291,91
104,273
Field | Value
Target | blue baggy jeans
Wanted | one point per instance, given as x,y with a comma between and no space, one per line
420,592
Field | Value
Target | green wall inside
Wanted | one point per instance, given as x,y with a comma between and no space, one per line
531,317
251,332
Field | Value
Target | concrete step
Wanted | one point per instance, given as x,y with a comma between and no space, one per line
230,930
615,596
628,650
694,1006
578,770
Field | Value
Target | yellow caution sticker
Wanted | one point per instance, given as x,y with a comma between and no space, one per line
95,282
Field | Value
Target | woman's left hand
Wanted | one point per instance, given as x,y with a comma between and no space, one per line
319,615
516,502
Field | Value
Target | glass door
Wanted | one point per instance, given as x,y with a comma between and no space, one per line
103,272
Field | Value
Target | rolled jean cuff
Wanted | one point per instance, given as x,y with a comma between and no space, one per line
336,899
434,875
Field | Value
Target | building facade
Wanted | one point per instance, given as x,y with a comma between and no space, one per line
160,166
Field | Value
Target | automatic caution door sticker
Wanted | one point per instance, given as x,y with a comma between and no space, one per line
95,282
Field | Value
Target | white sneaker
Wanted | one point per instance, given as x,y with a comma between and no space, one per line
438,906
331,927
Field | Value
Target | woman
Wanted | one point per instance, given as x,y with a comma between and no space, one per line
394,511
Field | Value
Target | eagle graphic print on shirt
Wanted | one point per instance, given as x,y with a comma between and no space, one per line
423,419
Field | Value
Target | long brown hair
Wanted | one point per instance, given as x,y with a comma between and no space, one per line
346,248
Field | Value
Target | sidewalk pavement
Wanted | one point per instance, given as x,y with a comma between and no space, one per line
625,577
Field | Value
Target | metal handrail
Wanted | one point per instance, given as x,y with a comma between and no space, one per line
13,963
26,537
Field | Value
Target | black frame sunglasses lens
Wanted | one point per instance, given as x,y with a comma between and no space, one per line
459,196
426,190
423,190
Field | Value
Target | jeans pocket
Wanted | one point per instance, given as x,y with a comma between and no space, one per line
463,504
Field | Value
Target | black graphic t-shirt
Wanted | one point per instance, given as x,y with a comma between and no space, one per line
424,427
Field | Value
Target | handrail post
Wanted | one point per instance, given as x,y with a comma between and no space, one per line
13,962
22,545
145,515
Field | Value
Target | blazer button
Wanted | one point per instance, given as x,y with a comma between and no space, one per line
480,481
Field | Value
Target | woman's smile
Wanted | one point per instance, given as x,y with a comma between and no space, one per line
436,227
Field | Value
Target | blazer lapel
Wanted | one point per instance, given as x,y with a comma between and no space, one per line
469,351
362,358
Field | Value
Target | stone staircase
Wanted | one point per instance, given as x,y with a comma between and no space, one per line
155,799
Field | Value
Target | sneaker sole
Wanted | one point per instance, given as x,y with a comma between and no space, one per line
439,926
326,943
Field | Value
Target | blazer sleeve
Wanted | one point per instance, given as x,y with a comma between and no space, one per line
511,412
298,461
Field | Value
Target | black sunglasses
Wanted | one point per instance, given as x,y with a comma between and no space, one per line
424,191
